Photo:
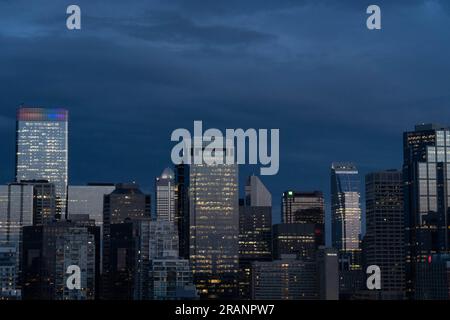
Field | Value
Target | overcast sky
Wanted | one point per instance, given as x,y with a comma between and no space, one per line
140,69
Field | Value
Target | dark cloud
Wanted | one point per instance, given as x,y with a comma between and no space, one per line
138,70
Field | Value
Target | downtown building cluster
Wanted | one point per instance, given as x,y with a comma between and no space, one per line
197,239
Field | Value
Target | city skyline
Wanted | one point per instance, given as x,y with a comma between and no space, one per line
306,67
244,172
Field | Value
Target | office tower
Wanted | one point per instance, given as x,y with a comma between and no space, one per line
129,271
303,207
284,279
434,280
42,149
384,238
165,196
88,200
171,276
163,239
9,274
16,211
346,225
48,251
144,254
255,231
214,228
256,193
299,239
44,201
182,208
126,201
426,155
328,273
172,279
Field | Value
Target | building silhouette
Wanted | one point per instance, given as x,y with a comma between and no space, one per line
383,243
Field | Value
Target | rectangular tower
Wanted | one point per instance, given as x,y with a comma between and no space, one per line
42,149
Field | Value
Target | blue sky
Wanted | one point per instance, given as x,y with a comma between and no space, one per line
140,69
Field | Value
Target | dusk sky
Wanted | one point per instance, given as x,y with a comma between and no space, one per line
140,69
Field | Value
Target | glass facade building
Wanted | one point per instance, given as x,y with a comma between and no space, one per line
426,174
303,207
346,212
214,228
165,196
42,149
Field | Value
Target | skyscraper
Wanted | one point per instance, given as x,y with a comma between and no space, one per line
48,251
214,228
303,207
327,273
284,279
182,208
384,238
165,196
126,201
9,274
88,199
255,230
16,212
256,193
299,239
42,149
426,167
346,224
255,222
44,201
129,261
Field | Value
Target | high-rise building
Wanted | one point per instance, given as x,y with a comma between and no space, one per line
42,149
383,243
16,212
48,251
127,201
303,207
44,201
255,231
214,228
426,167
165,196
328,273
172,279
284,279
88,200
256,193
9,274
346,225
434,280
299,239
182,208
129,261
144,262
